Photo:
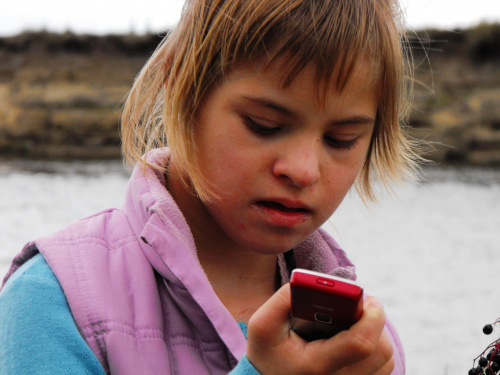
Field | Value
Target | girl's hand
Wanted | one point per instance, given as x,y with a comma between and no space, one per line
275,349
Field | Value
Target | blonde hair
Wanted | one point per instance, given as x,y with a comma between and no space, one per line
215,36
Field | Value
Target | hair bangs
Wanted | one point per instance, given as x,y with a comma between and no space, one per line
335,36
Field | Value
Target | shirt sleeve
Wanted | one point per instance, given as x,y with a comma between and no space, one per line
244,367
37,332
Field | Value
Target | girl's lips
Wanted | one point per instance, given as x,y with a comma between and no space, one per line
282,207
279,214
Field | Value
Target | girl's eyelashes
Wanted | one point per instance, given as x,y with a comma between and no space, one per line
258,128
339,143
264,130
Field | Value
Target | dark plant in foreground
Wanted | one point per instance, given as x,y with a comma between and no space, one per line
488,362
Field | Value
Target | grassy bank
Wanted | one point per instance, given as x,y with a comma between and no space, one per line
61,94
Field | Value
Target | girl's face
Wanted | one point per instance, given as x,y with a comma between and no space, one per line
280,162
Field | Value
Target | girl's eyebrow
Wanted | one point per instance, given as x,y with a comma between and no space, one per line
355,120
271,104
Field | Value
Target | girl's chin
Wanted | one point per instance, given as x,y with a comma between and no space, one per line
268,240
273,248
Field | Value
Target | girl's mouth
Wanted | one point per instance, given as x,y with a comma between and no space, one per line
282,215
281,207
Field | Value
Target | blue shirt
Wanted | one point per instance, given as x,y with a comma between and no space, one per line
38,334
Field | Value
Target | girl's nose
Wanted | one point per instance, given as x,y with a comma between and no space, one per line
300,165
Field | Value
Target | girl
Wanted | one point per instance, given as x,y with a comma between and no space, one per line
272,110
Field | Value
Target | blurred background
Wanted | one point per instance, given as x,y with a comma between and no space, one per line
66,66
430,251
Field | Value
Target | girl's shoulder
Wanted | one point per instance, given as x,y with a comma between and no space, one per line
37,330
34,273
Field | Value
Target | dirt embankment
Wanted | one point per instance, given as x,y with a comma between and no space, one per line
61,95
457,94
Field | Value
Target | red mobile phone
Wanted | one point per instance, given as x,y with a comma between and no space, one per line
323,305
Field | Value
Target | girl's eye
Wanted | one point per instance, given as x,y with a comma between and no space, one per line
339,143
264,130
258,128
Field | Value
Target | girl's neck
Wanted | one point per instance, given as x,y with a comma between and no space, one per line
242,279
242,283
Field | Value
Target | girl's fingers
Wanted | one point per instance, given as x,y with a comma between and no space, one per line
361,349
387,368
364,336
269,348
380,362
272,321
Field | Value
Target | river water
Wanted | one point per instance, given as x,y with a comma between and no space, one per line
431,253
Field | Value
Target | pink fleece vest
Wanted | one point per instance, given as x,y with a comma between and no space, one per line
139,295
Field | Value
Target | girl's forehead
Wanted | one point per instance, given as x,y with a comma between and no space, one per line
280,70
